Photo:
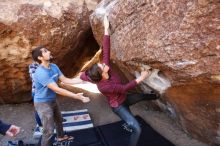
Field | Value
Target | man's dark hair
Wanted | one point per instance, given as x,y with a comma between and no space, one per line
95,73
36,53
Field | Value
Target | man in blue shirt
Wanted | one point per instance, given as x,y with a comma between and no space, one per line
45,81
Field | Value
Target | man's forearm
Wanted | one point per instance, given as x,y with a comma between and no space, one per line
72,81
67,93
53,86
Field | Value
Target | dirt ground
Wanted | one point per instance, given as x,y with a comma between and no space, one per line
22,115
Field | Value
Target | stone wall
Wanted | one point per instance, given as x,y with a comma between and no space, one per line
62,26
180,41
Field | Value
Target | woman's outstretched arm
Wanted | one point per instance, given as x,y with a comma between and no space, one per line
106,42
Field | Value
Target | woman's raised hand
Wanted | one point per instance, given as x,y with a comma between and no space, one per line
106,23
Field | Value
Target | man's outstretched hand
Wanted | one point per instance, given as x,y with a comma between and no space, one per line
83,98
13,131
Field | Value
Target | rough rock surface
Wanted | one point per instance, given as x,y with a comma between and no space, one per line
181,38
62,26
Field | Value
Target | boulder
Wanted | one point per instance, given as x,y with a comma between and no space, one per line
62,26
179,42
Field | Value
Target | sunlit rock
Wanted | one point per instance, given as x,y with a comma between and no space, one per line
62,26
180,40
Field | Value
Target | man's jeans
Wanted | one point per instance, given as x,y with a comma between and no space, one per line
49,113
125,114
36,116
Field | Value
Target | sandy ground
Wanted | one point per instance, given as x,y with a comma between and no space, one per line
22,115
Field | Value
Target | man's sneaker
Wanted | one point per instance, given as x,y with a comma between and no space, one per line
38,131
64,142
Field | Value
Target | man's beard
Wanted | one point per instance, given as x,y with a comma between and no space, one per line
51,58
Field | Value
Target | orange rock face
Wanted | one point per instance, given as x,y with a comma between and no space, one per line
180,38
62,26
197,109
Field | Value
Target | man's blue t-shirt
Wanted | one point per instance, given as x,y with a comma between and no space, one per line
42,77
